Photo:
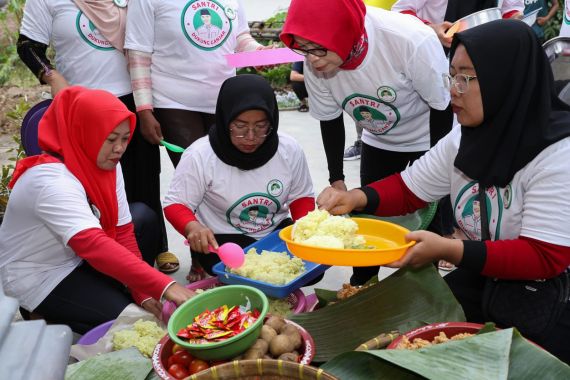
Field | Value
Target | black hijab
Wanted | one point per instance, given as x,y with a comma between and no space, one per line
457,9
239,94
522,112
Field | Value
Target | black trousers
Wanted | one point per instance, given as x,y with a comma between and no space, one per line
376,164
467,287
182,127
86,298
299,89
141,171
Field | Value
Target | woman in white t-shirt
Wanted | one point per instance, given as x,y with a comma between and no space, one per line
67,244
88,38
242,181
506,169
176,55
384,61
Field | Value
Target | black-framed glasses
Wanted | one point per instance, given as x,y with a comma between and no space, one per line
241,130
459,81
317,52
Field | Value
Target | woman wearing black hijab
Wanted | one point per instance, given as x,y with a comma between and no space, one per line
244,180
506,169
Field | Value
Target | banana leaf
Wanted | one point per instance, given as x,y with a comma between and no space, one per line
325,296
127,364
405,300
480,357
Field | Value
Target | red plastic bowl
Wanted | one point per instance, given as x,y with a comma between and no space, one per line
163,350
431,331
296,299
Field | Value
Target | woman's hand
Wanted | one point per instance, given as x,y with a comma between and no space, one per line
152,306
150,127
56,81
178,294
199,237
339,202
440,30
430,247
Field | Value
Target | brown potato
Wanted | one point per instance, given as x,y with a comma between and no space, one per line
267,333
294,334
253,353
288,356
281,344
261,345
275,322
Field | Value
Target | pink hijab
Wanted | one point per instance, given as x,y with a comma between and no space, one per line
109,19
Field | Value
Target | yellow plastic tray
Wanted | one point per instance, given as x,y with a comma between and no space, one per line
386,238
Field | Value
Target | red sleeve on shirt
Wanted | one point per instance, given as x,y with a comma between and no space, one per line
410,12
111,258
525,258
510,14
301,207
395,197
126,237
179,216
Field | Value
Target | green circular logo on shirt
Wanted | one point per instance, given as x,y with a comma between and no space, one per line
90,34
207,24
372,114
253,213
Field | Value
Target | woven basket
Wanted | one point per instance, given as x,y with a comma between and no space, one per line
262,369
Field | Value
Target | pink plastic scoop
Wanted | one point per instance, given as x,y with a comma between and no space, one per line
231,254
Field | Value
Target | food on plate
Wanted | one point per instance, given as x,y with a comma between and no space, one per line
276,268
220,324
417,343
319,228
349,290
280,307
144,336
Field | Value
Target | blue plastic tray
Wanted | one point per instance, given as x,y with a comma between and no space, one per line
271,242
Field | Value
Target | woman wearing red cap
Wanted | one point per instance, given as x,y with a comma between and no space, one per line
388,62
67,245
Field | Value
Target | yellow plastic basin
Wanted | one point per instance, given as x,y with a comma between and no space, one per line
386,238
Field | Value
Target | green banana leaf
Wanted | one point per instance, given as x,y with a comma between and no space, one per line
503,354
405,300
127,364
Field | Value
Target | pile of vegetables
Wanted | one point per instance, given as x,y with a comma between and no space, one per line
278,340
182,364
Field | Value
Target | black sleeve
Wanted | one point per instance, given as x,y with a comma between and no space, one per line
33,54
332,132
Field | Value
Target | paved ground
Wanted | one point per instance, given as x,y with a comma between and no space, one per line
307,132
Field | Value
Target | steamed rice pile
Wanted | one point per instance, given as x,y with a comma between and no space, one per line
321,229
276,268
143,336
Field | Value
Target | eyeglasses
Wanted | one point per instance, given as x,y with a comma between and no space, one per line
459,81
317,52
241,130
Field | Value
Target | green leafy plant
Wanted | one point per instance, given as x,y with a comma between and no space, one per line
552,27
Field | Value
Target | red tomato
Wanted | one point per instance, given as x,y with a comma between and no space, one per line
176,347
182,357
178,371
170,361
198,365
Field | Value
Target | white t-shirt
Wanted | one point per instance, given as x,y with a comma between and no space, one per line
229,200
83,56
48,206
188,65
434,10
400,78
565,25
535,203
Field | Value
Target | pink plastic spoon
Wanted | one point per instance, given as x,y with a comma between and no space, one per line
231,254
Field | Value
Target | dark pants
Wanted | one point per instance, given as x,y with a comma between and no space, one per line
86,298
467,287
376,164
207,261
299,89
182,127
141,171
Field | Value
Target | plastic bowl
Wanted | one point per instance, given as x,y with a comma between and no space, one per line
231,295
388,240
96,333
431,331
296,299
163,351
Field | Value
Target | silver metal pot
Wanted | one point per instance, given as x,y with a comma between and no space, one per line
474,19
558,52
